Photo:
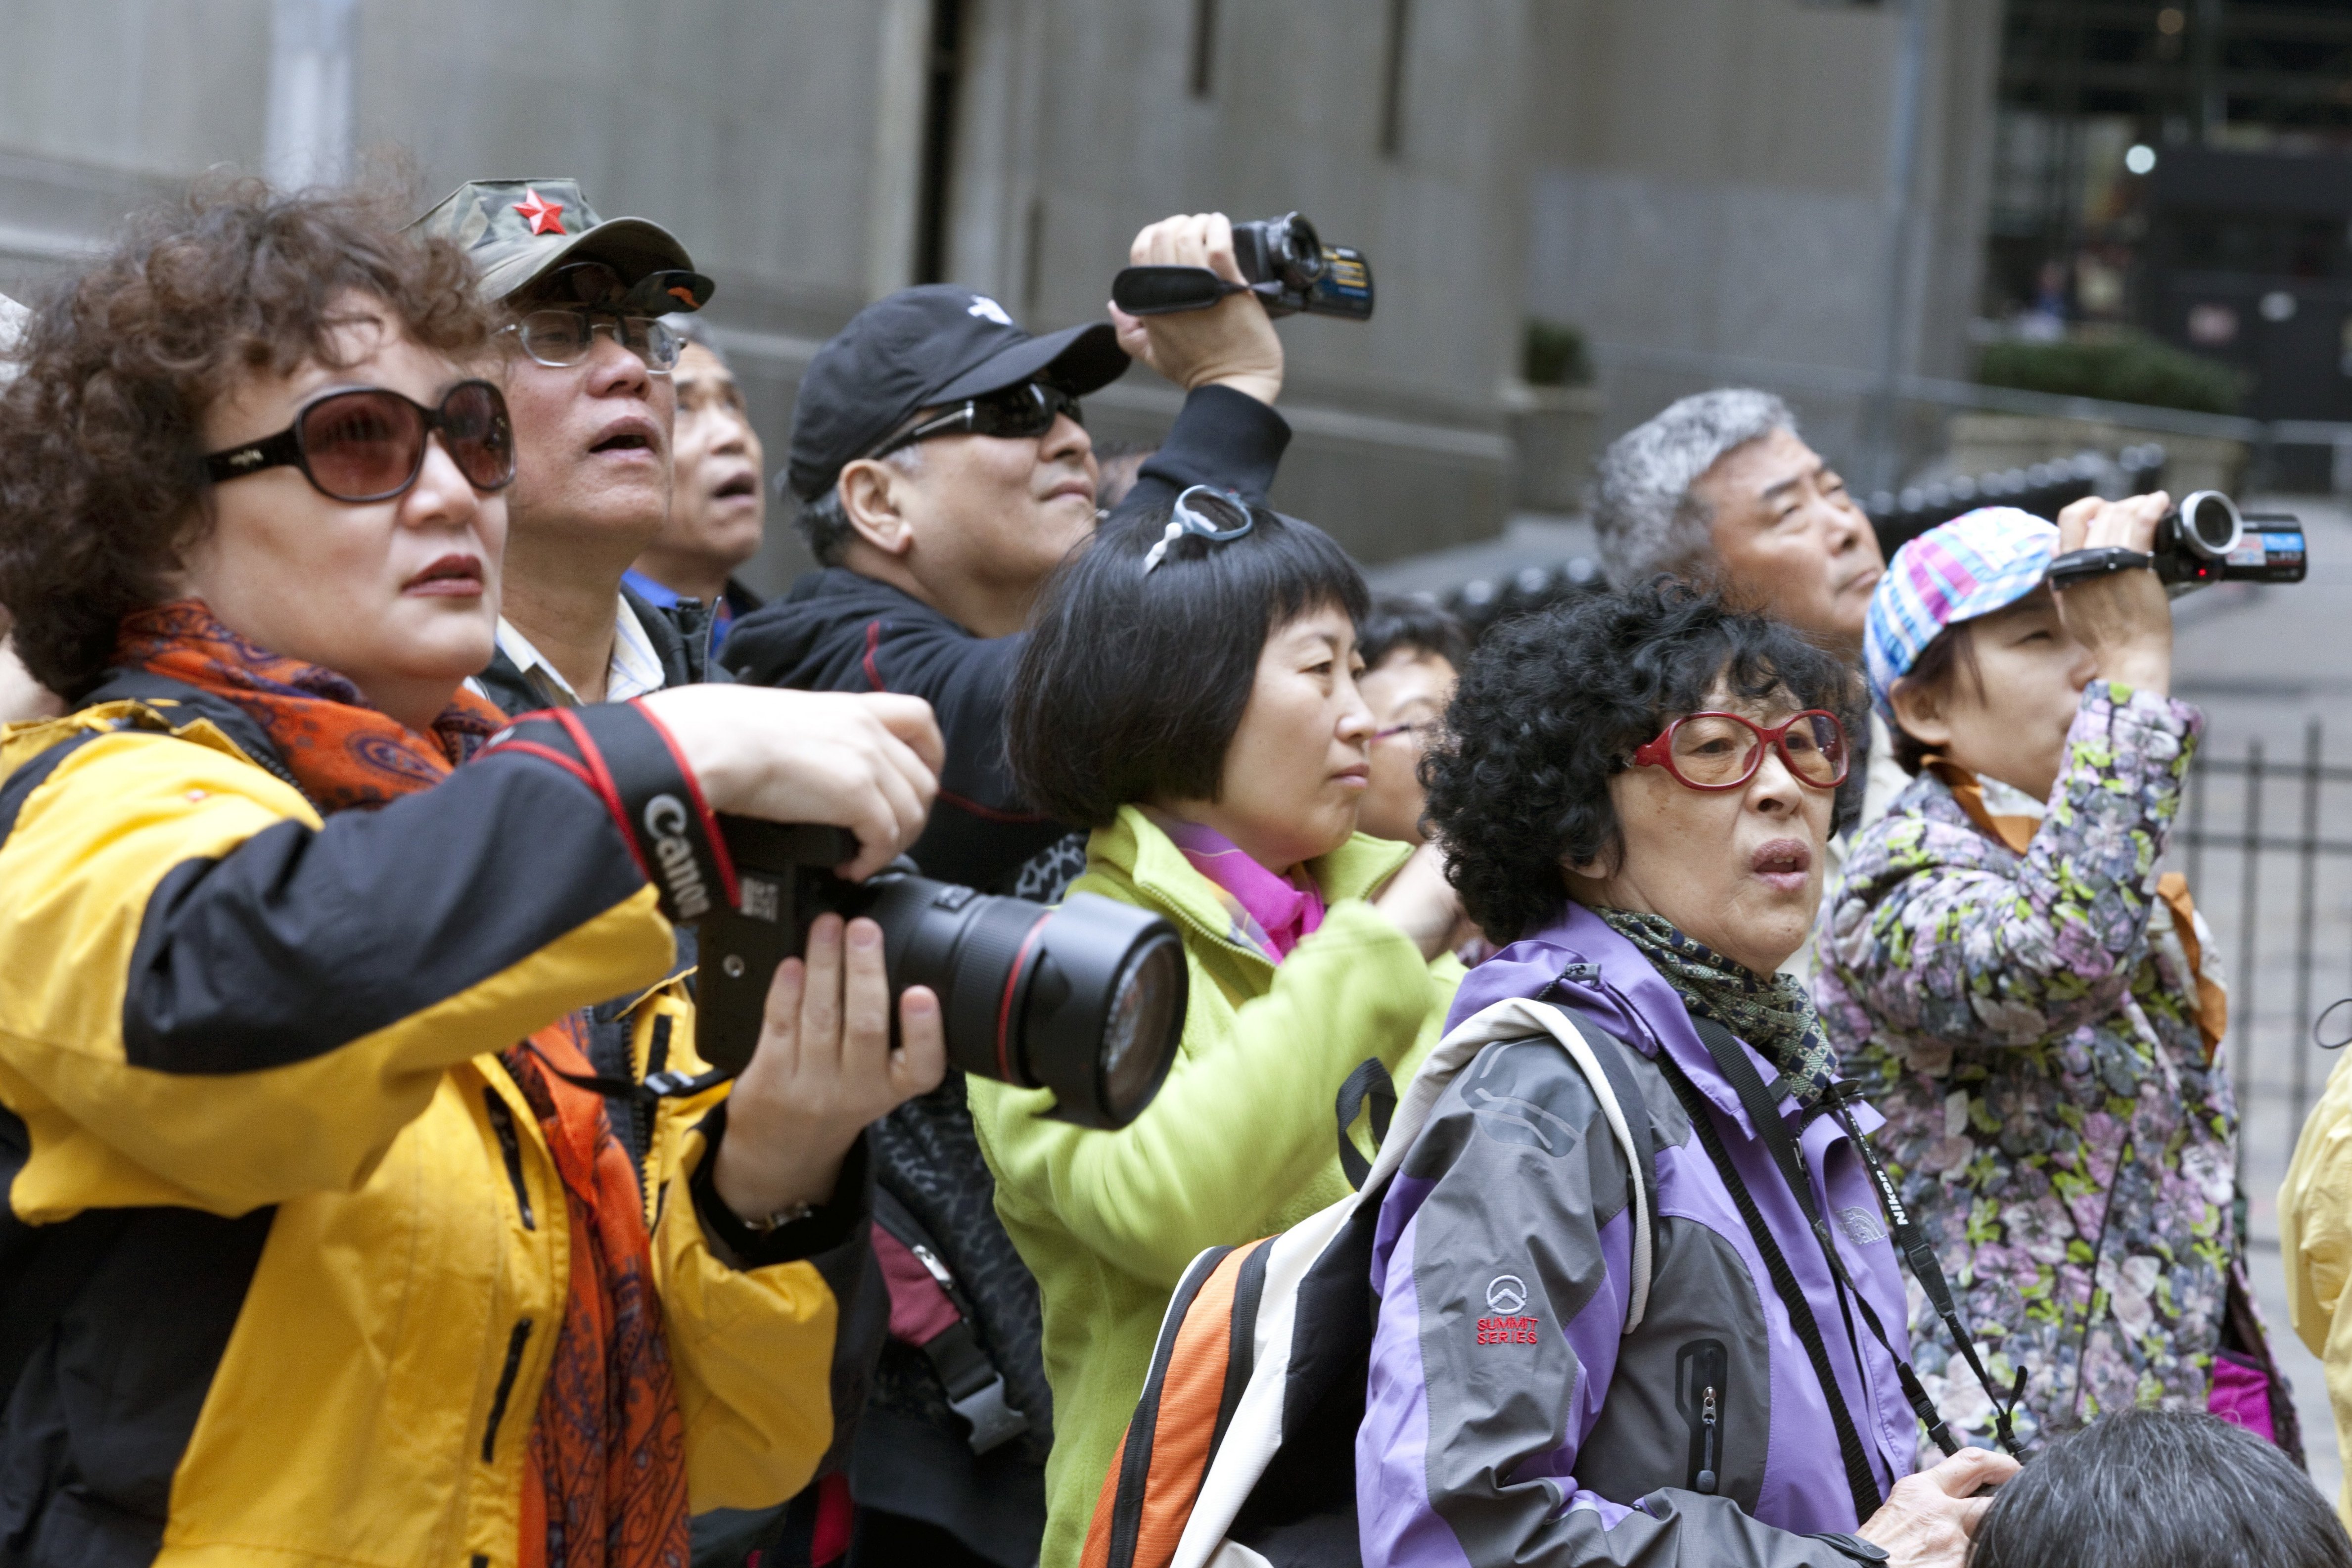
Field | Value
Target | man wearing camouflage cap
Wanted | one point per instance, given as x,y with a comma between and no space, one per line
588,380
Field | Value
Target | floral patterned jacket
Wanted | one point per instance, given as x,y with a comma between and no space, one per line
2031,1033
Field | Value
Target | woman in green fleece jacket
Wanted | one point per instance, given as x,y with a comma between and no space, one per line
1189,691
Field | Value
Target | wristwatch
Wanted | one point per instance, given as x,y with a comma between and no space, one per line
778,1220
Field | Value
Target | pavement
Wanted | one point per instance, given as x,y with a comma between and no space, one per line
2271,665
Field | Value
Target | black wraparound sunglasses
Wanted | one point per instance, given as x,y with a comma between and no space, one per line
367,443
1028,408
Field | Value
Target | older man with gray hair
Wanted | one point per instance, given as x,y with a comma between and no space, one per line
1720,489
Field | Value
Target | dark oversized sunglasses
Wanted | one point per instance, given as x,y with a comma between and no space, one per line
1723,751
1025,409
367,443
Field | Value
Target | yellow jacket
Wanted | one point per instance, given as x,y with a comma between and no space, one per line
262,1048
2314,1208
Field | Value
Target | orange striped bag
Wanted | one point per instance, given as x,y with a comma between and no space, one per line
1242,1450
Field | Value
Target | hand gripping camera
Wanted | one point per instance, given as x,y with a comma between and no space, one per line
1286,263
2203,540
1086,998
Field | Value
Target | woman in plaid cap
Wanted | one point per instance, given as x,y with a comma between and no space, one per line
2035,1009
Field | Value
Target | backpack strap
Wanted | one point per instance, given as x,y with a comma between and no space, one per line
975,1388
1630,1113
1369,1081
1188,1401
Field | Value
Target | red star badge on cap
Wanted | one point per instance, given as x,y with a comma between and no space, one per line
543,216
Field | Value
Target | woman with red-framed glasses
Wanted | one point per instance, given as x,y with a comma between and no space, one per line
1637,1295
305,1163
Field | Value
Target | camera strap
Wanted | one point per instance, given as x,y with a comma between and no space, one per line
2079,566
1911,1239
623,753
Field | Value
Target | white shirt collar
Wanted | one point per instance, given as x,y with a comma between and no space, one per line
636,669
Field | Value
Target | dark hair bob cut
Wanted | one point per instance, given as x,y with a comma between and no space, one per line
1555,703
1402,623
101,429
1132,686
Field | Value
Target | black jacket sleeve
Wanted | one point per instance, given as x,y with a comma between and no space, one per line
1222,437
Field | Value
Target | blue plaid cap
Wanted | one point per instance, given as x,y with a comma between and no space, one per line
1978,562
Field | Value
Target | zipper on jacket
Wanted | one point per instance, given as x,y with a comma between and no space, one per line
1702,1377
506,1374
510,1146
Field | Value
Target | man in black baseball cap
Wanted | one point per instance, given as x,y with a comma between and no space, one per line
943,469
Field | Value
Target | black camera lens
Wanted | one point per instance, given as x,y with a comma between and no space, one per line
1086,999
2209,523
1299,252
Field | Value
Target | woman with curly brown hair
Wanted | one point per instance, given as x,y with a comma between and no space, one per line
319,1243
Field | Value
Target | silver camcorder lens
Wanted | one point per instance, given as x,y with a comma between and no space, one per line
2209,524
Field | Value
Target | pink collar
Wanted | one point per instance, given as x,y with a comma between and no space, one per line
1268,913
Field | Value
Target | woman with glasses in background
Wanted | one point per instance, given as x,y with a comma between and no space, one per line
320,1245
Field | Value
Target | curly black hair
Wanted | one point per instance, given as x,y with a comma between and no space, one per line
1554,704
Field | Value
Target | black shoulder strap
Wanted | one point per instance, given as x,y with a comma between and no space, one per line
1369,1081
1733,1063
1757,1100
975,1388
1862,1482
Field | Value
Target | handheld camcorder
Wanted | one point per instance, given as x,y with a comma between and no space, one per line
2203,540
1286,263
1086,998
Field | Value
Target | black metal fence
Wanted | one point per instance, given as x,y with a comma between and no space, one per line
2270,865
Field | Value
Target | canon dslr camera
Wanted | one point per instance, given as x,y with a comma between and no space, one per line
1286,265
2203,540
1086,998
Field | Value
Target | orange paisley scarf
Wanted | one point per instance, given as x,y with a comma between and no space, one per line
605,1475
342,752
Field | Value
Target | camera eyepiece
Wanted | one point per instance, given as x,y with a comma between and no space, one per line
1086,998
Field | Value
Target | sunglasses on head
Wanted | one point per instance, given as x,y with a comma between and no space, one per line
367,443
1025,409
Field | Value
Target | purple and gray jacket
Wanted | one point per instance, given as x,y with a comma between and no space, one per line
1509,1418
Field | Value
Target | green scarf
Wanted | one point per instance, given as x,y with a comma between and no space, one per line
1774,1015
